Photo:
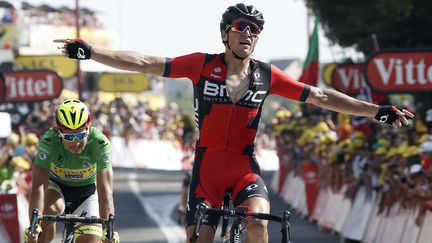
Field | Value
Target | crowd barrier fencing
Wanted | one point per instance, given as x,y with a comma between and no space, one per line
357,219
13,217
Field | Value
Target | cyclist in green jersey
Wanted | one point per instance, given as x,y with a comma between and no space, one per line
72,174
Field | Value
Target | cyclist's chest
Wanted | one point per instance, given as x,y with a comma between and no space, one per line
66,166
216,87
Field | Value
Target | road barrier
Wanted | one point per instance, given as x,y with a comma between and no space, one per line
357,219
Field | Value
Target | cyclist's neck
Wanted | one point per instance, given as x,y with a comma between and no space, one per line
235,65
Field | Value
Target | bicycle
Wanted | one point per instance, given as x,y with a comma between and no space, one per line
69,220
238,226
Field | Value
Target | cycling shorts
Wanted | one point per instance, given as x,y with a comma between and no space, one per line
216,172
82,201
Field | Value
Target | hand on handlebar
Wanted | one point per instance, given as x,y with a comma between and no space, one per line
116,237
32,238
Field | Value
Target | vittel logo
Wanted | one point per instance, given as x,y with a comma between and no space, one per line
27,86
400,71
31,85
217,90
408,71
348,78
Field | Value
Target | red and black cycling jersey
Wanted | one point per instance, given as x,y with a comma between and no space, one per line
222,124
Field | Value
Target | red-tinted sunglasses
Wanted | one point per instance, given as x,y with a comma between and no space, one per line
241,26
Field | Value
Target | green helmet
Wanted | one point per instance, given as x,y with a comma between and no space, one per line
72,114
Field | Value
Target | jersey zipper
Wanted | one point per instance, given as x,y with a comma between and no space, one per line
229,127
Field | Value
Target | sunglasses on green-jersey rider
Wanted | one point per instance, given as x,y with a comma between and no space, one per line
70,137
241,26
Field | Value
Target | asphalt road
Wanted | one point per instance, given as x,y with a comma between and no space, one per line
146,200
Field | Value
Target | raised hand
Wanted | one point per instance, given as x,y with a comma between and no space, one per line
393,116
75,48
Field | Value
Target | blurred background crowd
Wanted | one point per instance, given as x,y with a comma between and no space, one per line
47,14
360,152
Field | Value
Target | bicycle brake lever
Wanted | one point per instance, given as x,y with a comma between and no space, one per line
286,234
35,219
199,218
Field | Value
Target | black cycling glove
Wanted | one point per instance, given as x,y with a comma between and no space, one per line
78,49
387,114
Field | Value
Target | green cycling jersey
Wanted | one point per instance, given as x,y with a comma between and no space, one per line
70,169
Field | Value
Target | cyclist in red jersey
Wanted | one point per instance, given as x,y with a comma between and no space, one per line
229,91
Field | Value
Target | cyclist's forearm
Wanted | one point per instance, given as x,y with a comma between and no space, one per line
40,181
36,200
337,101
105,192
106,205
128,60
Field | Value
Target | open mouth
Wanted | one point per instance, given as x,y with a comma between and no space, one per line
245,42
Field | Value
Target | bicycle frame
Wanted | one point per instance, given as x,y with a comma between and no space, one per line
240,214
69,220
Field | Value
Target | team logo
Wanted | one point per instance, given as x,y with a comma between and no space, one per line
80,54
252,187
85,163
216,70
383,119
217,90
257,79
257,76
42,156
106,158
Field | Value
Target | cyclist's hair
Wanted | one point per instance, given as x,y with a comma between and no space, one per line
72,114
238,11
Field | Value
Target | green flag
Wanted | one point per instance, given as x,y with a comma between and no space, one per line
310,67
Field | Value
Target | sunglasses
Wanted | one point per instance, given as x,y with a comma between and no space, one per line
241,26
70,137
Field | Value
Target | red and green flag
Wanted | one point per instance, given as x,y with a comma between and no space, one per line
310,66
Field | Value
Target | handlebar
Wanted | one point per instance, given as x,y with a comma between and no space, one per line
203,210
71,218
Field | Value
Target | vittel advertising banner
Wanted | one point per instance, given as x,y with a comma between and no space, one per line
348,78
400,71
22,86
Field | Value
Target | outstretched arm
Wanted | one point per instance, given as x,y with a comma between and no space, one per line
126,60
131,61
337,101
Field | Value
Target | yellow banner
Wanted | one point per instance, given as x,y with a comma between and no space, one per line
123,82
327,73
65,67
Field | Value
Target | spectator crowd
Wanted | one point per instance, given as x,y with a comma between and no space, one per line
352,152
47,14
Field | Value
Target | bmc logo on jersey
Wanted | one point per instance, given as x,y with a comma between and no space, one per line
218,90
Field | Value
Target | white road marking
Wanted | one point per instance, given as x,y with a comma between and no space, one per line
159,208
